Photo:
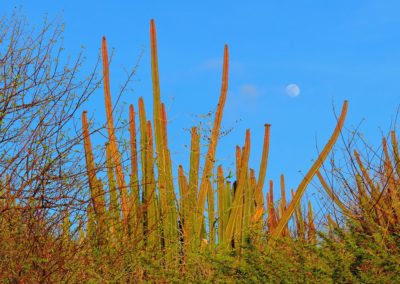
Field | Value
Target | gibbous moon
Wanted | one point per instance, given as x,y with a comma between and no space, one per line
292,90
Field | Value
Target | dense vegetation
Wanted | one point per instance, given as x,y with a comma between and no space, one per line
66,215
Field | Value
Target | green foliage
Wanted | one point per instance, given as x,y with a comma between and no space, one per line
357,257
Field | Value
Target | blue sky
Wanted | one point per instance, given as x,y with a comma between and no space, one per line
333,50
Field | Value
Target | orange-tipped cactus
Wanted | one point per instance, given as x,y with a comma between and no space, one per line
163,159
156,221
271,207
96,190
261,174
116,156
134,196
310,174
210,156
234,225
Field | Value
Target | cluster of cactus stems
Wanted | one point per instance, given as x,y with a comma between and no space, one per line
146,213
376,196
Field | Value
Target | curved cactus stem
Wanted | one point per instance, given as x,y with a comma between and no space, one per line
333,196
307,179
380,208
210,157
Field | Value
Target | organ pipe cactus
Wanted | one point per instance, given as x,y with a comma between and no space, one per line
115,154
148,209
210,156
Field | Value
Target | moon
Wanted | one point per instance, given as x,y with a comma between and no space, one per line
292,90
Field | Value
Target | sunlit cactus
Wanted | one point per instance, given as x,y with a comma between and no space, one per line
148,215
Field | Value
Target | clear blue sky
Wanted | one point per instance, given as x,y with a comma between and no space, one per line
333,50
